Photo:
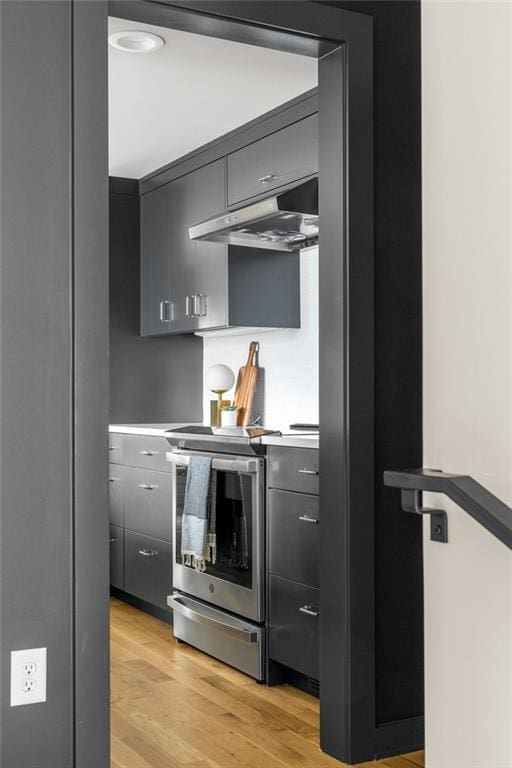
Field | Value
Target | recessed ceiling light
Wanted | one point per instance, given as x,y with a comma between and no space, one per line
136,41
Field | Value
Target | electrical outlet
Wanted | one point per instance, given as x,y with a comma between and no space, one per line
28,676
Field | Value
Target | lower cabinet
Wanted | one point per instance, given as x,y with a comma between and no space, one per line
140,518
117,556
293,556
147,568
294,625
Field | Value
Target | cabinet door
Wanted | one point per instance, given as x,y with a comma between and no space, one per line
274,161
198,269
148,507
155,306
116,494
294,634
148,569
294,469
116,557
294,536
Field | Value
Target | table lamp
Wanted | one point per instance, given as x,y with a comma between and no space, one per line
219,378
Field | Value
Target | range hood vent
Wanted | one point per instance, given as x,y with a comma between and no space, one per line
284,222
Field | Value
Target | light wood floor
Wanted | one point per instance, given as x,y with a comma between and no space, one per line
174,707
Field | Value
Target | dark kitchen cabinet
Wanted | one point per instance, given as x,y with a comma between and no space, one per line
191,286
294,536
147,569
116,494
155,274
116,541
275,161
141,518
148,502
294,469
294,625
198,269
145,451
293,556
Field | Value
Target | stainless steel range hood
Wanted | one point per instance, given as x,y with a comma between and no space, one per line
287,221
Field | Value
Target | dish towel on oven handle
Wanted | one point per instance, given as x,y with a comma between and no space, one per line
195,525
211,551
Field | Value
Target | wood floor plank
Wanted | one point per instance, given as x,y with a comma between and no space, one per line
418,758
175,707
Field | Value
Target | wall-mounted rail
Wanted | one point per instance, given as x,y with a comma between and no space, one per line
472,497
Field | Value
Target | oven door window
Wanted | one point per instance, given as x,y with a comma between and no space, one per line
231,523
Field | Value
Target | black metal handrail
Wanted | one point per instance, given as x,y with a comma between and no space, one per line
492,513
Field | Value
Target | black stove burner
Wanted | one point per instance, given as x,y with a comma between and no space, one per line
194,430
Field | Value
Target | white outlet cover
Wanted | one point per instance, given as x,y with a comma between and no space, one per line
28,665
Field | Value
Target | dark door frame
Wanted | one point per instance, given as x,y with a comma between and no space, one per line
343,43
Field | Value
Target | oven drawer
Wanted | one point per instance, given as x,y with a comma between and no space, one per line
294,623
146,452
147,568
148,503
116,493
293,469
294,536
235,641
115,448
116,557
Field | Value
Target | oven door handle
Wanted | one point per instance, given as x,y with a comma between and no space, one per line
250,466
178,603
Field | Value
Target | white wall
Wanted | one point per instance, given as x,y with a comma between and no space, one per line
467,273
288,387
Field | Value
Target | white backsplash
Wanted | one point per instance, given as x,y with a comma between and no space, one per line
287,389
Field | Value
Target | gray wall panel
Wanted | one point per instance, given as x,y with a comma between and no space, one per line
35,383
151,379
91,384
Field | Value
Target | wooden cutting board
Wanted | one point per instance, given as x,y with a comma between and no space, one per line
246,386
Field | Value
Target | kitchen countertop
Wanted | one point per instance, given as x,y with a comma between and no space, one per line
295,440
155,430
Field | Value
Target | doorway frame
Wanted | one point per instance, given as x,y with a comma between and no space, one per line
343,43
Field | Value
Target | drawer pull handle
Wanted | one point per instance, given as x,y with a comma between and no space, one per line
309,610
112,447
148,552
112,479
147,487
112,539
308,471
148,453
268,178
309,519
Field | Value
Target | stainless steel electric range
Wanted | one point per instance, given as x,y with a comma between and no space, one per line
221,610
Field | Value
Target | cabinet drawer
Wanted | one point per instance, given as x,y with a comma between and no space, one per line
293,469
294,625
279,159
146,452
147,568
294,536
116,557
116,493
115,448
148,502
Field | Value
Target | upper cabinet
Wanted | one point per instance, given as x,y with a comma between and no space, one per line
199,271
195,285
155,275
282,158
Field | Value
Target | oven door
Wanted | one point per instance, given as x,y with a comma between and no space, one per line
234,581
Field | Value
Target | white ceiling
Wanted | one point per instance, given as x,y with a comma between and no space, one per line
167,103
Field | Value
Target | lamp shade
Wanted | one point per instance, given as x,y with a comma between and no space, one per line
219,378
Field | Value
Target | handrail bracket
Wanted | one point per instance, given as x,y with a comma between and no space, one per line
438,518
